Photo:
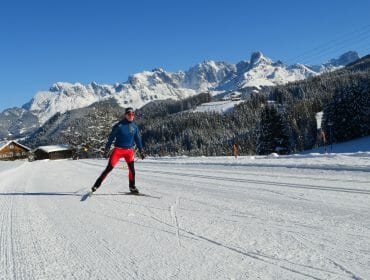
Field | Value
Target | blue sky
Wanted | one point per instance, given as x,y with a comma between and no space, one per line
43,42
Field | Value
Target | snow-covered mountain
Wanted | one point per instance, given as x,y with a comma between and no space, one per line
262,71
141,88
159,84
17,121
344,59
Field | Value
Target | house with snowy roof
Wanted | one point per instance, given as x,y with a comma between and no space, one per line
12,150
52,152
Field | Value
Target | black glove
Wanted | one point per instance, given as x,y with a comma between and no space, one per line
142,154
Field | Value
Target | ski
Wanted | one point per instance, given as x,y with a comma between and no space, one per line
90,193
86,195
139,194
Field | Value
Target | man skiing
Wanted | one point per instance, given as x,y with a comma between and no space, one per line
125,133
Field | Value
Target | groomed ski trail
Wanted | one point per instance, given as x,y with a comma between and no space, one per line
211,222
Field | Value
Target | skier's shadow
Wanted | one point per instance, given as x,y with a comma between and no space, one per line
77,193
87,195
40,194
56,194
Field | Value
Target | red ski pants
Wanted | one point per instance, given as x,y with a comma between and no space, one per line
127,154
117,154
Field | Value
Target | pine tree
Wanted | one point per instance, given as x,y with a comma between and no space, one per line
348,115
273,135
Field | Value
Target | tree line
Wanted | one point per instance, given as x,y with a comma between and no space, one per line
281,119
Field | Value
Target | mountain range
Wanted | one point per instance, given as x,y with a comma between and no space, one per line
218,78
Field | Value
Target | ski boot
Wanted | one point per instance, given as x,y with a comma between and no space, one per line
96,185
133,188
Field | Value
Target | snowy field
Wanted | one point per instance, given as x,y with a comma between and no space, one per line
293,217
217,106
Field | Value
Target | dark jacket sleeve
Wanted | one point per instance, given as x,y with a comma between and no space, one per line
111,137
138,139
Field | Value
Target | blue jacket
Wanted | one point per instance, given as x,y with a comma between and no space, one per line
124,133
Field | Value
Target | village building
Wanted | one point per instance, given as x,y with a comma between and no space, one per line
52,152
12,150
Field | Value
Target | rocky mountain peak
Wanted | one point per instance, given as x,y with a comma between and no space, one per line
258,58
344,59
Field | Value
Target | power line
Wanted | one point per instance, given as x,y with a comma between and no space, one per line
348,36
342,46
338,43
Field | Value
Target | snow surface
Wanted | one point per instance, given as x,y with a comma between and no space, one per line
252,217
319,116
358,145
53,148
217,106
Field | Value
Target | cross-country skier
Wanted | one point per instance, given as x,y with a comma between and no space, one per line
125,133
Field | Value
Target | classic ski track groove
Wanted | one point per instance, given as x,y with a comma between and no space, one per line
242,173
11,254
261,182
282,175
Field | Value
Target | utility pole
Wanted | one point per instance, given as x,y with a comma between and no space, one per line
330,124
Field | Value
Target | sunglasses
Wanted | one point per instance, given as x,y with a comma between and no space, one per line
130,114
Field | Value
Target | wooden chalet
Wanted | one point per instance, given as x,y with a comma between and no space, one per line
12,150
52,152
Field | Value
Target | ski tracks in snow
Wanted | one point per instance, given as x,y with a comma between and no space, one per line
331,268
42,239
205,226
174,218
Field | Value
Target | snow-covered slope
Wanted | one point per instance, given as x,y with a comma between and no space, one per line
217,106
62,97
294,217
17,122
357,145
158,84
